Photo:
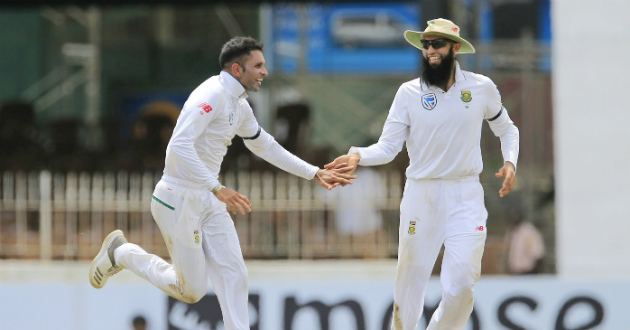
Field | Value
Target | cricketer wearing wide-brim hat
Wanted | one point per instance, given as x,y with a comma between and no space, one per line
440,27
439,116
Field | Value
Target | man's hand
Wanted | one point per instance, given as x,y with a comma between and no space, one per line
345,163
509,172
234,200
330,178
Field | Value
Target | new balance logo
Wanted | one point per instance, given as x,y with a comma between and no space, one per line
480,228
205,107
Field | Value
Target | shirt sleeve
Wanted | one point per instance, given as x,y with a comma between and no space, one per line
395,132
267,148
248,127
263,145
501,125
181,154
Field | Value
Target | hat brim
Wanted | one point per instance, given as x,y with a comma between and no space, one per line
414,37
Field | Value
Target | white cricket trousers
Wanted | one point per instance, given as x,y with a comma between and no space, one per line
202,242
435,213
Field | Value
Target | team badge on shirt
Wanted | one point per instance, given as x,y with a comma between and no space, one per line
429,101
466,96
231,116
196,236
412,227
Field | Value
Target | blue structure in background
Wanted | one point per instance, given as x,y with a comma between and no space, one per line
544,27
285,38
347,38
368,38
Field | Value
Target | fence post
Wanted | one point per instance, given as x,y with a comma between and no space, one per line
45,215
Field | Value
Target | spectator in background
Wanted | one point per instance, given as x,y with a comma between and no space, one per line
23,145
357,210
357,206
293,128
525,248
139,323
150,135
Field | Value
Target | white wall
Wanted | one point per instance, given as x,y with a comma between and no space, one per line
591,82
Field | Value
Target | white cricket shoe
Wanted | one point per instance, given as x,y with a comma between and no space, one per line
103,266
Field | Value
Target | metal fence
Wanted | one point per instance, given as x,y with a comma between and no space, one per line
65,216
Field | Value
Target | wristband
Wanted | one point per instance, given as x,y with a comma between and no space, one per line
217,189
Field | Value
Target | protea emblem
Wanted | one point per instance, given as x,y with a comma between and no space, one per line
429,101
466,96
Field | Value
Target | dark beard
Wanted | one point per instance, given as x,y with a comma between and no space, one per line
439,75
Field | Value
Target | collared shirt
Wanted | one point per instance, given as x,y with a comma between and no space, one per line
442,129
214,113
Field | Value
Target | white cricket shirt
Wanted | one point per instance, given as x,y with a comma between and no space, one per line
214,113
443,129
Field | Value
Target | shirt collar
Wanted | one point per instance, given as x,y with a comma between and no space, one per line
459,77
232,86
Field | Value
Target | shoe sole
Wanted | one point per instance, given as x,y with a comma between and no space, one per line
103,252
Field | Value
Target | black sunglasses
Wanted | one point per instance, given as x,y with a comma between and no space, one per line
436,43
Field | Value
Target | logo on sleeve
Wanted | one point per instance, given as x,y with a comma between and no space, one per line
429,101
205,107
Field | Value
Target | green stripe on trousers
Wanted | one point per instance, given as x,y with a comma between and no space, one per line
157,199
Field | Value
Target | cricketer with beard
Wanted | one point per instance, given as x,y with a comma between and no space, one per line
439,116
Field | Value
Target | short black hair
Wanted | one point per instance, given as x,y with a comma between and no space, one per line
236,48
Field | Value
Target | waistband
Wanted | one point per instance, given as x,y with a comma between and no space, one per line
471,178
182,183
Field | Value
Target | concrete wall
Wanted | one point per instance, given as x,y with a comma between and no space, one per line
591,43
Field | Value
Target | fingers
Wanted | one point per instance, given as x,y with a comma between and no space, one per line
510,178
334,164
339,160
342,167
238,203
508,184
331,178
341,178
326,185
344,175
